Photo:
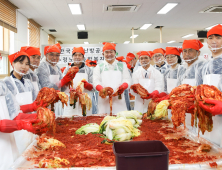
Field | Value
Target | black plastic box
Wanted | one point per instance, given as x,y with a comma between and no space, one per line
141,155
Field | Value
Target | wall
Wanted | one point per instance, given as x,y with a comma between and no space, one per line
21,37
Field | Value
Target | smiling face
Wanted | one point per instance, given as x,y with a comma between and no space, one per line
53,57
215,43
78,58
21,64
144,60
109,55
158,58
35,60
171,59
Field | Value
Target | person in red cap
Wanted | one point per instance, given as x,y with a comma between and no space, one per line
131,59
121,58
191,53
149,77
24,96
35,56
114,74
85,75
171,74
211,74
50,74
159,60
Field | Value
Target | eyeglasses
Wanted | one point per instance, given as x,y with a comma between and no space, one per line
157,55
144,58
54,55
190,50
170,57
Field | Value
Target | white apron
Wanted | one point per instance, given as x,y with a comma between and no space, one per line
111,79
141,105
215,135
8,148
69,110
57,106
23,138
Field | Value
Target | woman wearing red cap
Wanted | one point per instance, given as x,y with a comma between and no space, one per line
24,93
50,74
211,74
149,77
84,73
171,74
114,74
159,60
35,57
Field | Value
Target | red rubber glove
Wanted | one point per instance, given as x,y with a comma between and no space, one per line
87,85
67,78
123,87
9,126
25,116
214,110
154,94
32,107
99,87
162,95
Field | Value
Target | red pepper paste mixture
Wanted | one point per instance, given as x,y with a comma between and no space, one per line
88,151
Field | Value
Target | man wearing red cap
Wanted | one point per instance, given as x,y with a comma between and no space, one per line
159,60
149,77
50,74
85,75
171,74
35,57
131,59
114,74
211,74
191,52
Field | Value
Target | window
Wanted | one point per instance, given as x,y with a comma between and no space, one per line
51,39
33,33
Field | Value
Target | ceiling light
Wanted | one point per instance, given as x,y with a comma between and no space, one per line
75,9
208,28
86,42
171,42
145,26
186,36
81,27
167,8
134,36
126,42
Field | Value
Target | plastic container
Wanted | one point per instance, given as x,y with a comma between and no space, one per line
141,155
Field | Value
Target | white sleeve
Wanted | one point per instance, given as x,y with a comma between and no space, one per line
96,77
158,81
126,76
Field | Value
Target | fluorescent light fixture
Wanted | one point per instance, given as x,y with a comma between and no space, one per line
145,26
208,28
186,36
171,41
126,42
134,36
86,42
75,9
167,8
81,27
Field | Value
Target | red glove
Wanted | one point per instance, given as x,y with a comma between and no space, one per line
25,116
162,95
154,94
162,98
214,110
32,107
67,78
99,87
123,87
87,85
9,126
